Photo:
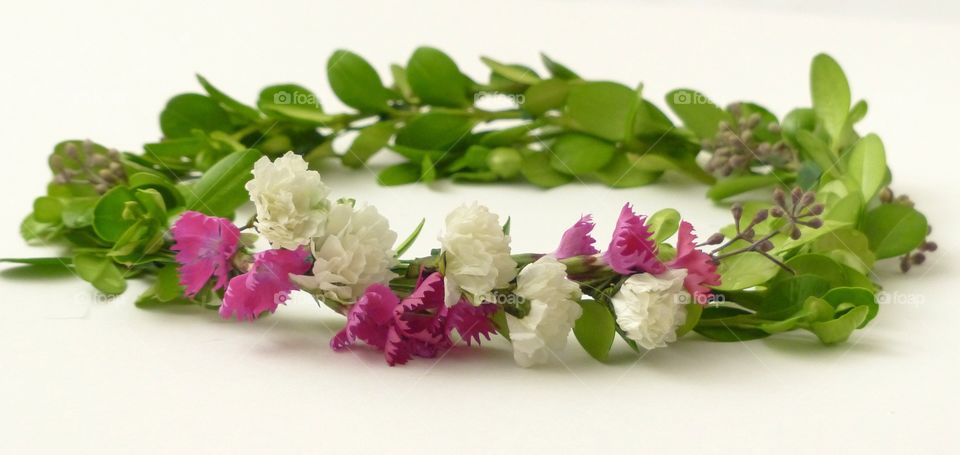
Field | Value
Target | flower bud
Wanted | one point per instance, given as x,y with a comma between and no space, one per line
816,209
918,258
929,247
504,161
715,239
776,212
737,211
815,223
795,233
760,216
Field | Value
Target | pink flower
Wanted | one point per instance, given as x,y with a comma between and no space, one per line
576,240
266,285
632,249
419,325
204,246
701,270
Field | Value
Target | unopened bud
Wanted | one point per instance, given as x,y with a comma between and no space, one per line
765,246
776,212
760,216
929,247
918,258
737,211
816,209
808,198
795,233
815,223
715,239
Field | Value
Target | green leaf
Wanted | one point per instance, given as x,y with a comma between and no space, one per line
191,111
595,329
369,141
356,83
101,272
818,151
786,296
220,191
698,113
428,170
894,230
715,326
294,103
47,209
538,171
664,223
600,108
579,154
511,72
797,120
831,94
733,186
545,96
626,170
837,297
408,242
108,220
38,233
400,174
434,131
436,79
557,69
504,161
840,329
867,165
744,271
229,103
65,262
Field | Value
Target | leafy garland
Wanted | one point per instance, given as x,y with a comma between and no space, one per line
800,260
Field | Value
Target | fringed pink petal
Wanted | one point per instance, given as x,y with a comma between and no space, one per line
577,241
472,322
204,246
701,270
266,285
632,249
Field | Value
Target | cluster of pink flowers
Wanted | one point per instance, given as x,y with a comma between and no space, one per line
421,324
633,250
206,247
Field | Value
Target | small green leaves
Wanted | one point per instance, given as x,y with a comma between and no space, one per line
408,242
579,154
558,70
293,103
356,83
436,79
537,170
399,174
191,111
741,184
434,131
831,94
228,103
511,72
839,330
369,141
101,272
505,162
664,223
545,96
698,113
868,165
221,189
600,108
595,329
109,221
894,230
744,271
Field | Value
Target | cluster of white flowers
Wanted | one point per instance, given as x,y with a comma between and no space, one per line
554,308
477,254
650,308
355,252
291,200
352,246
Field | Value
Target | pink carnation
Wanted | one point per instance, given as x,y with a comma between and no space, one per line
633,249
419,325
204,246
701,270
266,285
576,240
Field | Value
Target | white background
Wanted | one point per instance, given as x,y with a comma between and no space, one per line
78,374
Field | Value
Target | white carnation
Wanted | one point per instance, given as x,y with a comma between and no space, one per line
554,308
355,251
291,200
650,308
477,253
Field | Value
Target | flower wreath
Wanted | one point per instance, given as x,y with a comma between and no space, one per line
799,260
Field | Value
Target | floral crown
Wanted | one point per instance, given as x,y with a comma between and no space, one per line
802,259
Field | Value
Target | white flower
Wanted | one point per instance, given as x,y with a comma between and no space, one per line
291,200
554,308
650,308
477,254
355,252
